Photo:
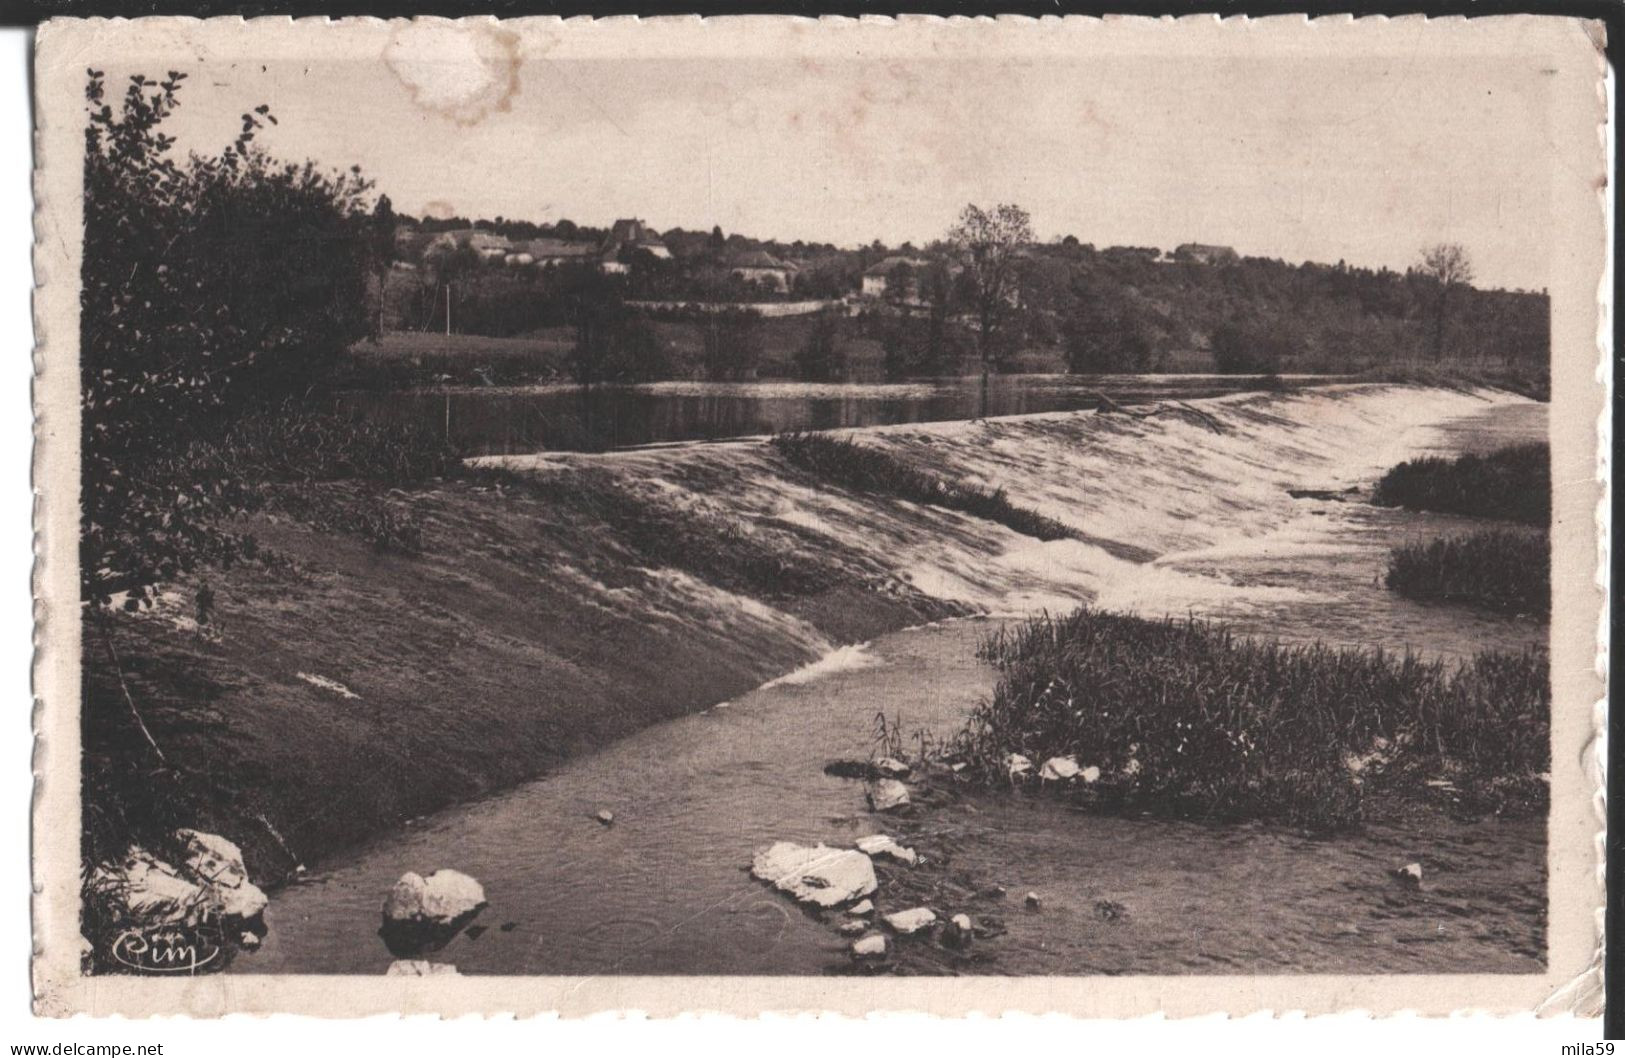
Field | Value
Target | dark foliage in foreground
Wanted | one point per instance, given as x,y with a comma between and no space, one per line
210,285
1185,719
1513,483
1498,569
869,469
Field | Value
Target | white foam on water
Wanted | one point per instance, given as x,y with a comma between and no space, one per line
850,658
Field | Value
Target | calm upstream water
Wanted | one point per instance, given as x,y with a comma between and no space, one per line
505,421
664,890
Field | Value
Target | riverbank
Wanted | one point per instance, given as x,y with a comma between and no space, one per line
572,599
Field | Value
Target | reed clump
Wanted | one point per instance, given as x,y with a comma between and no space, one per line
1509,570
1183,718
869,469
1513,483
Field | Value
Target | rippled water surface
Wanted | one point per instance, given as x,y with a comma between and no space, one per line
664,889
507,420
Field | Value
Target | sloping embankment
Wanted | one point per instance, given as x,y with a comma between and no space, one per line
348,691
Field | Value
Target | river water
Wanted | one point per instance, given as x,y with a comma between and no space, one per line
664,890
509,420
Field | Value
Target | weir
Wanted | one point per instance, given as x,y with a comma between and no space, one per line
662,890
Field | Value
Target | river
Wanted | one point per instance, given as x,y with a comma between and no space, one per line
664,889
501,420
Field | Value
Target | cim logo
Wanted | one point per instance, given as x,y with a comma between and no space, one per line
166,950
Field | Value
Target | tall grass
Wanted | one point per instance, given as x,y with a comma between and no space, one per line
1512,483
1497,569
1185,719
869,469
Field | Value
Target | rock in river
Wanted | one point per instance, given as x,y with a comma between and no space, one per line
818,875
443,897
220,864
420,968
1060,769
892,768
886,795
885,845
423,914
147,891
871,947
911,921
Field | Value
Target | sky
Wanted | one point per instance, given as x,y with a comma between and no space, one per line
1362,159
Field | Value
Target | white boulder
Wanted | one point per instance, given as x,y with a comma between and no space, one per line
220,864
1017,766
213,858
147,890
606,817
420,968
1060,769
1090,774
885,845
442,898
887,794
862,907
817,875
892,768
911,921
1033,901
872,946
853,927
1410,874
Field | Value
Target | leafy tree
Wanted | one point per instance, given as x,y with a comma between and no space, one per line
1448,265
381,250
1256,345
732,345
209,285
990,240
1106,333
901,282
820,358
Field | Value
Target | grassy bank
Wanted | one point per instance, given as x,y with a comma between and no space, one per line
865,468
1497,569
1184,719
1513,483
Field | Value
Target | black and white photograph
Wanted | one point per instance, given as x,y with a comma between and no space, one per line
853,503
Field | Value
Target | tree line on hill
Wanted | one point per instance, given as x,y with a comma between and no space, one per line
1118,309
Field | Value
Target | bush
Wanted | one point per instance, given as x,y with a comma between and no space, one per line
1512,483
1497,569
868,469
1184,719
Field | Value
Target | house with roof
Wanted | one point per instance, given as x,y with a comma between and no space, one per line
625,235
488,245
548,252
759,266
878,278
